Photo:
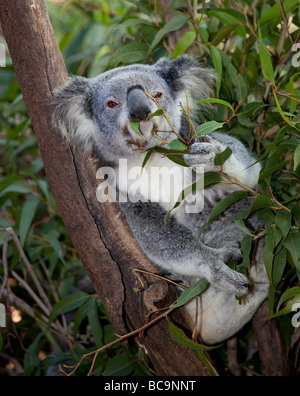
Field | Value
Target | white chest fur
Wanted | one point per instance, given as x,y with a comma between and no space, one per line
161,181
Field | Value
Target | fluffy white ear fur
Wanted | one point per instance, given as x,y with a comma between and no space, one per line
199,83
186,74
70,116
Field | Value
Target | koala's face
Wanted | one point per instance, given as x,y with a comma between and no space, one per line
97,113
120,97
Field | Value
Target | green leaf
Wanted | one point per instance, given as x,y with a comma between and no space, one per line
28,212
119,365
148,156
184,43
175,23
290,293
209,127
221,158
179,336
252,109
190,293
218,65
135,22
52,237
279,266
262,201
292,243
226,203
273,15
283,221
178,145
31,355
68,304
131,53
266,61
241,225
287,295
157,113
270,171
18,187
211,179
281,111
224,33
228,18
178,159
136,127
297,158
7,181
219,101
172,155
246,249
269,250
81,314
222,206
95,324
198,185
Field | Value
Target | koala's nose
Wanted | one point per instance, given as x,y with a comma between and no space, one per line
138,105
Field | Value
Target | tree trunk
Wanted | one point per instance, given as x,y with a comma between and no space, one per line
99,232
271,347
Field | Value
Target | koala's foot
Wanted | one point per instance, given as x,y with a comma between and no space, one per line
203,154
232,251
226,279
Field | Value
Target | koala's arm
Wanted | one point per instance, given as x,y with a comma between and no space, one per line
174,249
239,166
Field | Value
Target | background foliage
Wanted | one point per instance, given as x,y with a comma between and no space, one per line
249,43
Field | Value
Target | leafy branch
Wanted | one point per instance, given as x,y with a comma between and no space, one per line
184,298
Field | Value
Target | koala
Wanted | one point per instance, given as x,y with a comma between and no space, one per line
96,114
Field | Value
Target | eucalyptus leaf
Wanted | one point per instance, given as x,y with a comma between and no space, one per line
209,127
190,293
184,43
28,212
67,304
175,24
266,61
221,158
179,336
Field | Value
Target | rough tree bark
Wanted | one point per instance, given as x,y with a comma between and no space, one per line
271,347
99,232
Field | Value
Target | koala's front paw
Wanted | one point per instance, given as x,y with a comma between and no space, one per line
203,154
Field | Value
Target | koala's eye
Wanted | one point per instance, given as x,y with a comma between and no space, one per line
159,95
111,104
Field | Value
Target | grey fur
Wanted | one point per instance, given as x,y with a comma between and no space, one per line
95,113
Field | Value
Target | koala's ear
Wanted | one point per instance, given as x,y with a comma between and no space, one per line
185,73
73,114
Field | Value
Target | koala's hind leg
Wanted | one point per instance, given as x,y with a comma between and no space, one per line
177,250
220,314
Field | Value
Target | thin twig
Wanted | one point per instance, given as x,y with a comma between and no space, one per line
288,97
5,265
165,116
234,181
285,22
29,267
155,276
31,293
120,339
